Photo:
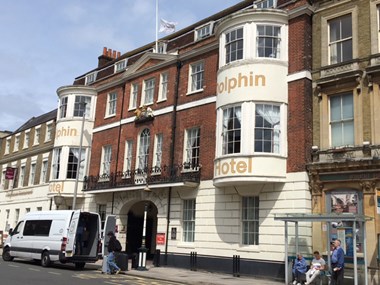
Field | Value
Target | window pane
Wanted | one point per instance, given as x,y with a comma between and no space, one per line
347,50
348,106
335,108
336,134
346,27
348,132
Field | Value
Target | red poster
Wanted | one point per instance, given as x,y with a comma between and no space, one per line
10,173
160,238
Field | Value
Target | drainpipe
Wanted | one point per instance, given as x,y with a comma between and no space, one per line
118,144
172,148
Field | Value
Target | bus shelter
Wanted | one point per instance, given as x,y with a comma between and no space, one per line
328,219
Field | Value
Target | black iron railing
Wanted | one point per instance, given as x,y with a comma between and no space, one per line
185,172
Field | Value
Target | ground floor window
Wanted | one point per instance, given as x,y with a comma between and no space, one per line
188,220
250,220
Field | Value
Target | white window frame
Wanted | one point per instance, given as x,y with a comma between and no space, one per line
7,145
263,4
121,65
203,31
194,74
90,78
342,121
276,50
157,158
339,42
188,220
21,176
17,216
229,60
191,162
127,167
63,103
144,139
162,47
44,171
78,106
225,132
16,146
49,132
2,182
163,88
32,173
111,105
247,219
133,96
56,165
26,139
275,128
37,135
105,164
148,91
76,163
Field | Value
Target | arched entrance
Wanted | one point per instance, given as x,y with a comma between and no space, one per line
135,227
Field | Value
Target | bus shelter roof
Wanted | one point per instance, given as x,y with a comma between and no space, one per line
333,217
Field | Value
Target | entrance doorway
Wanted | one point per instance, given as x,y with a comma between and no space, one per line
135,228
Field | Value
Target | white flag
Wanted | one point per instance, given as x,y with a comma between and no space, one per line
167,27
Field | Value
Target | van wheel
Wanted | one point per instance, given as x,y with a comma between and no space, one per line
79,265
45,259
7,254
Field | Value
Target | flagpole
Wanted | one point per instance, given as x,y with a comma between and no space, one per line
156,26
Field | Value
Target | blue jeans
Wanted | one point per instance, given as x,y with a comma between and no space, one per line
111,263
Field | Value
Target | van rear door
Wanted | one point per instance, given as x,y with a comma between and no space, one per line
72,231
109,225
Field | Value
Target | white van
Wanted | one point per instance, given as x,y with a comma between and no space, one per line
62,235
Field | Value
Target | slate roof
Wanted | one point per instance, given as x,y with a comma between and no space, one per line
35,121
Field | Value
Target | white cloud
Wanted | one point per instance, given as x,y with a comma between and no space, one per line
45,44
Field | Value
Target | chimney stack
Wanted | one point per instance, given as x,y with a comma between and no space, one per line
108,56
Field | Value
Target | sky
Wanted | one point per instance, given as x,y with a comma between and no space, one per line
45,44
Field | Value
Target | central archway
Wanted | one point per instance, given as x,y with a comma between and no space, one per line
135,227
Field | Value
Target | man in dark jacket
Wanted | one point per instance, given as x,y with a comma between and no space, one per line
112,248
337,264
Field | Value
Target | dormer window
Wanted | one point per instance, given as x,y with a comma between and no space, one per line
161,47
203,31
121,65
90,78
266,4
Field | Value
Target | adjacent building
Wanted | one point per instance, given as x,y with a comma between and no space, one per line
25,162
344,173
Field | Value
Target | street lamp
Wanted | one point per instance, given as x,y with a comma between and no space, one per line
58,200
143,250
79,157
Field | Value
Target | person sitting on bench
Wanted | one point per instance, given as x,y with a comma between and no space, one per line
299,269
317,264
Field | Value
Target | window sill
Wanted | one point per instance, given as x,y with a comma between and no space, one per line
249,248
194,92
146,104
132,108
189,245
162,100
110,116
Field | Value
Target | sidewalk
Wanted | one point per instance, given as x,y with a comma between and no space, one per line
186,276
